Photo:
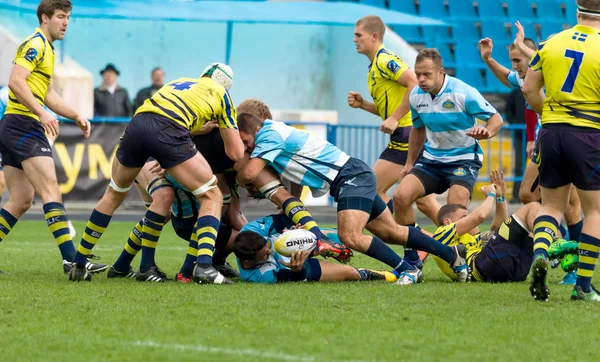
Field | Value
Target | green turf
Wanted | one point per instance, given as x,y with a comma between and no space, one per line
44,317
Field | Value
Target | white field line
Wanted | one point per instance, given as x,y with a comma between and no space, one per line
247,352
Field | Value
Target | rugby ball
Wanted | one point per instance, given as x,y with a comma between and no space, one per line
295,240
220,73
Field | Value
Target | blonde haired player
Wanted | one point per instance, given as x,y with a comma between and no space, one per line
568,64
390,82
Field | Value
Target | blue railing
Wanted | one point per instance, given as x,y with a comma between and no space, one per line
367,143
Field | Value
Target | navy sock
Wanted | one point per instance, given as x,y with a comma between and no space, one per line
575,230
545,229
153,224
564,231
7,222
390,205
411,255
131,249
94,229
295,211
206,229
589,250
382,252
58,223
187,269
419,241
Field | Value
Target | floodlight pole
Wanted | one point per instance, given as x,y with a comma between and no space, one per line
228,41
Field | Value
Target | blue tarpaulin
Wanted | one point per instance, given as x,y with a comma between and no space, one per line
230,12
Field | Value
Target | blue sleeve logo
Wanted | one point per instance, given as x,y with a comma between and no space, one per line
31,54
393,66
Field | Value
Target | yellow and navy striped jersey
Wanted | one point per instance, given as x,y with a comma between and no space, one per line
190,102
447,235
36,54
387,93
570,64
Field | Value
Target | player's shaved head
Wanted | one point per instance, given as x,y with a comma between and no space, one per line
447,211
248,123
246,244
528,43
48,7
589,9
372,24
255,107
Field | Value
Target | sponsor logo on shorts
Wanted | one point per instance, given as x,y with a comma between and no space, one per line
351,182
460,172
44,149
448,104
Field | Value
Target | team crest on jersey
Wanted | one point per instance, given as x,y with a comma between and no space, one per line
508,221
31,54
460,172
448,104
393,66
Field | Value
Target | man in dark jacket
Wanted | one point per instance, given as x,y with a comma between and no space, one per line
110,100
158,80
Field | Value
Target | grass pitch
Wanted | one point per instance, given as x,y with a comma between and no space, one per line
44,317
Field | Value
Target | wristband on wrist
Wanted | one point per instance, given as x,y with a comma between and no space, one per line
491,194
500,199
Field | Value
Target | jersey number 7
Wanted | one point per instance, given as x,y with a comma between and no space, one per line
573,71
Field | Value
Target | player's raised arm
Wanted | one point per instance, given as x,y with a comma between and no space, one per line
60,107
485,50
17,83
520,42
478,216
497,179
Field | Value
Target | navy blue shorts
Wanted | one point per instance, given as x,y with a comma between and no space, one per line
355,188
211,146
151,135
438,177
22,138
397,149
507,256
569,155
184,227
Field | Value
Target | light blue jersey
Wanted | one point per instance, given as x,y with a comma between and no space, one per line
299,156
517,83
447,118
185,205
3,100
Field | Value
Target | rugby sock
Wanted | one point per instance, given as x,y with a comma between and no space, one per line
563,231
411,255
589,249
364,274
187,269
545,229
58,223
94,229
206,229
295,210
132,247
575,230
151,229
419,241
390,205
7,222
382,252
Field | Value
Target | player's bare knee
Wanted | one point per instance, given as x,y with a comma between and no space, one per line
403,198
213,195
163,198
19,206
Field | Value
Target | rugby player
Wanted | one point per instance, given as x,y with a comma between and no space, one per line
444,113
390,83
521,51
161,129
27,154
567,65
310,161
259,262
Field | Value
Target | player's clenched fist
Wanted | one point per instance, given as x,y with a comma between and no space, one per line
355,100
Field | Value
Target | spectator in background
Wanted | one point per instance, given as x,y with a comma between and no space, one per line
110,100
515,114
158,80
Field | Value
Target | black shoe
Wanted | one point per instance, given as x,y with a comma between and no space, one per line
227,270
209,275
114,273
79,272
153,275
539,281
91,267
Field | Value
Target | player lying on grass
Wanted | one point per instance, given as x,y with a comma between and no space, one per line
503,253
259,262
310,161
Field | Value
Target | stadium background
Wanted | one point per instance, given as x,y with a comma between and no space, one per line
298,57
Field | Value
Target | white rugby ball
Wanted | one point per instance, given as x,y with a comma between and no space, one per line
295,240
